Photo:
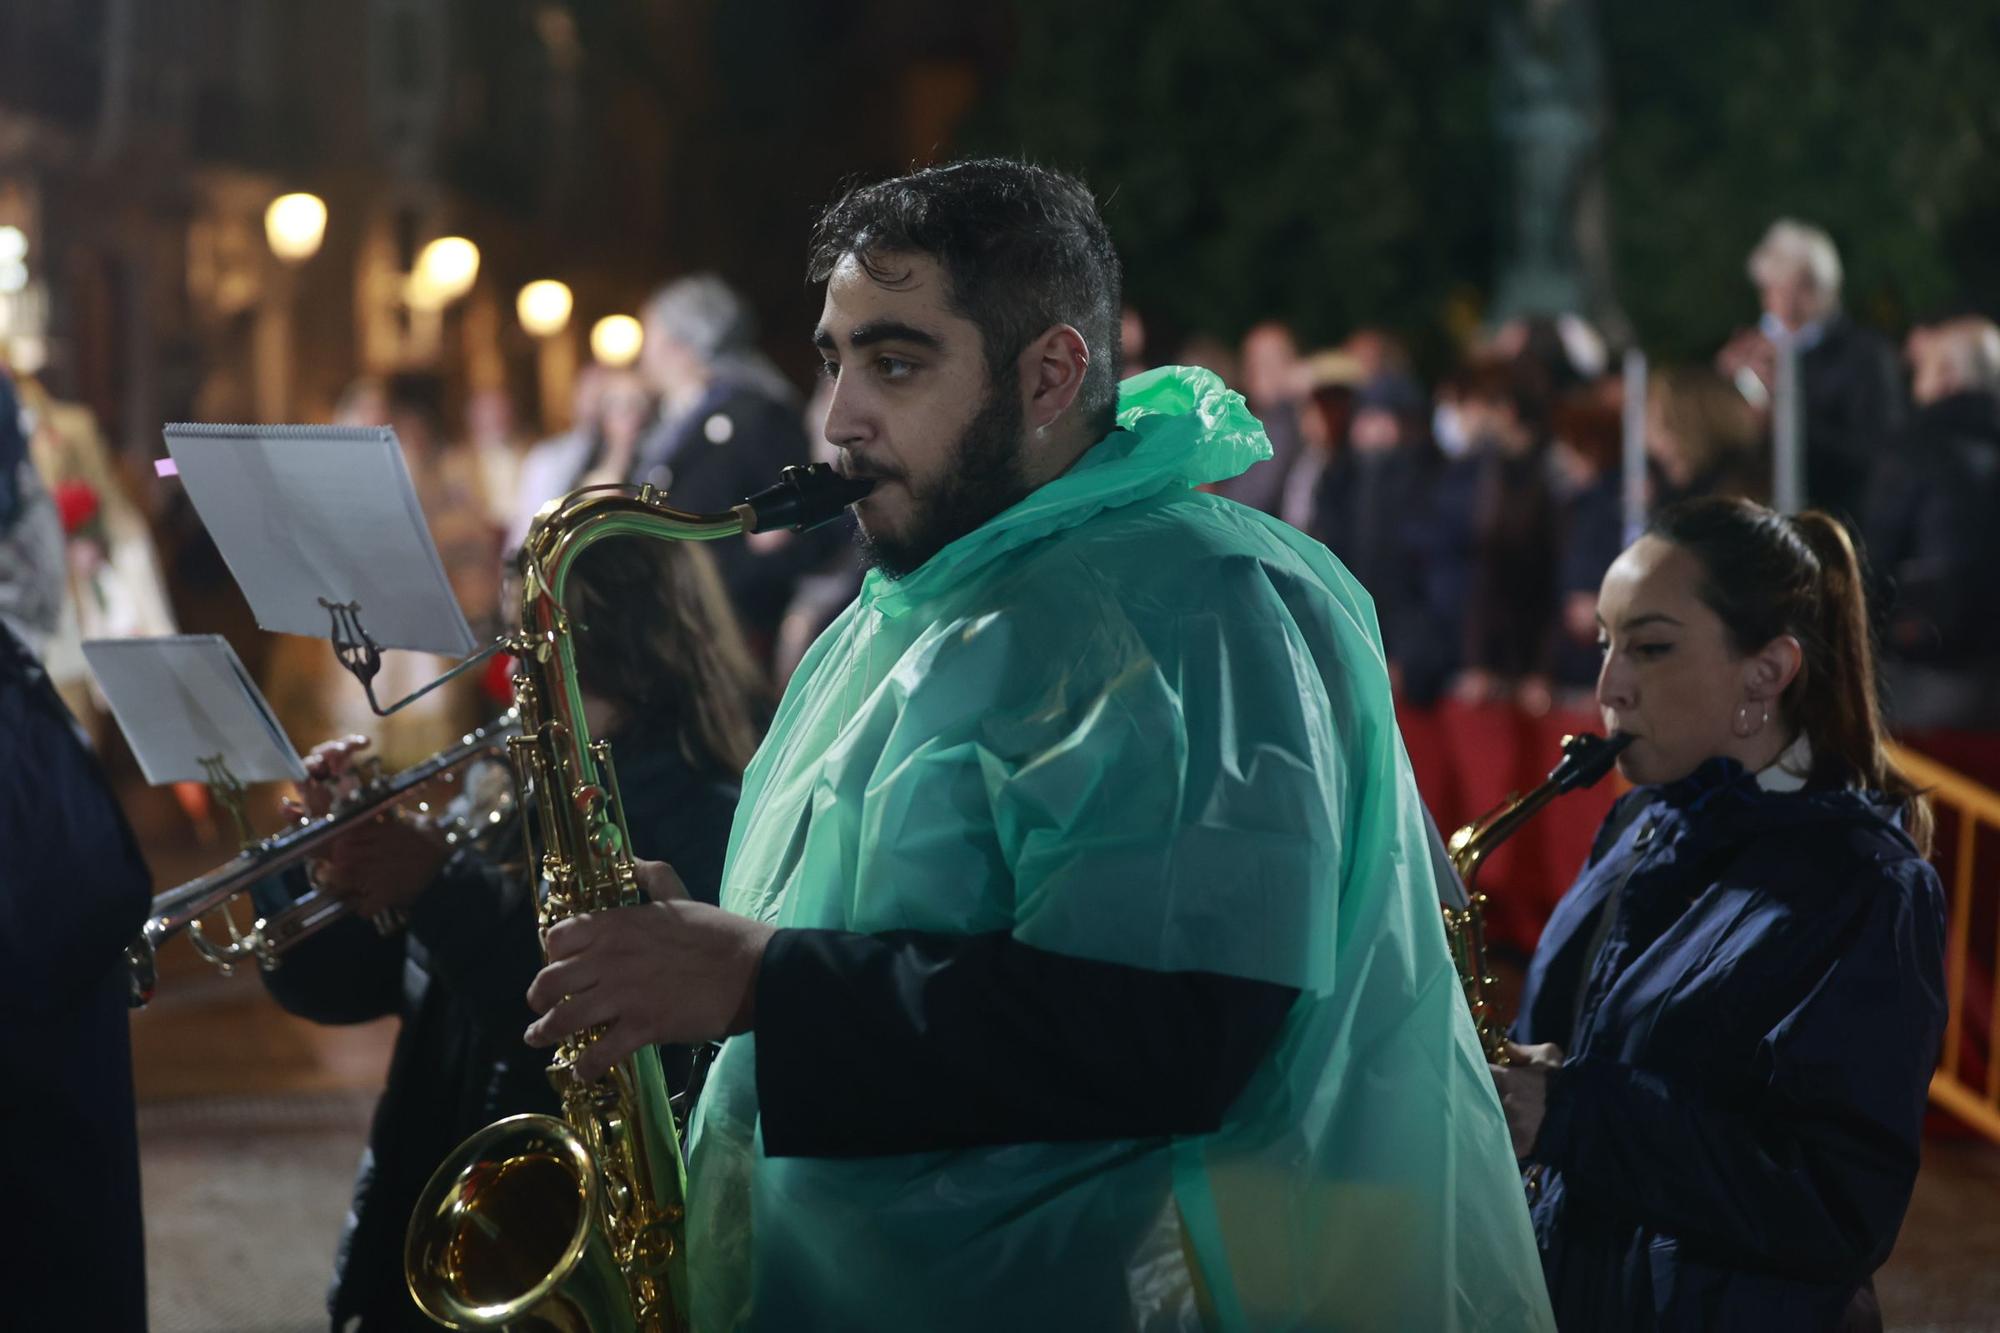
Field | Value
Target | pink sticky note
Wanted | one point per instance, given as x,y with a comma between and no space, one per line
165,467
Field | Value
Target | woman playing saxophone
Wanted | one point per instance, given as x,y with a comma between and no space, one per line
664,673
1731,1019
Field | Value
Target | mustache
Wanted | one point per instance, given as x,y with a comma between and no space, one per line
860,469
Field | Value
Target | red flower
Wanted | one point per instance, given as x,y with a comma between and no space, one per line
77,502
498,679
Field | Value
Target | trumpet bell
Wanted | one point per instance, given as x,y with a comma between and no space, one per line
506,1235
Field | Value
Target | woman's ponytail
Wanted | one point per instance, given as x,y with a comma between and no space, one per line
1840,713
1768,575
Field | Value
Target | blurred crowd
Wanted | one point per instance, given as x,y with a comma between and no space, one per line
1481,509
1479,506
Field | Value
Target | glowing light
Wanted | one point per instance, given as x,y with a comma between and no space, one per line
615,340
13,276
13,245
295,224
544,307
446,269
28,355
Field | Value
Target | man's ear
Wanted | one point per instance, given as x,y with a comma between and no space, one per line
1052,368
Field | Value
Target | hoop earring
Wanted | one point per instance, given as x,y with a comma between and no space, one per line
1743,726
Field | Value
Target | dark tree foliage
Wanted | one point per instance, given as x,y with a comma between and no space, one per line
1876,121
1327,164
1335,163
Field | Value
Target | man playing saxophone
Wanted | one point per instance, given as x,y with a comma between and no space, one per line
665,673
1077,945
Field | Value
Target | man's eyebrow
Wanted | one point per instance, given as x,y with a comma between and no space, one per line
881,331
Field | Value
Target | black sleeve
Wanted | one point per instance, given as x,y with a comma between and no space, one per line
477,919
74,890
912,1042
347,973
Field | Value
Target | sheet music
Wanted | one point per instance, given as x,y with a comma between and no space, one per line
186,697
303,514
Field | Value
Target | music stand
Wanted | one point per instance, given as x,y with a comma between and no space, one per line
321,527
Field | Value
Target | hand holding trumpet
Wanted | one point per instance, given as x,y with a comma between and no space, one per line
381,865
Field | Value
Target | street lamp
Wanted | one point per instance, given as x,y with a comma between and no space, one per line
615,340
445,271
544,307
295,224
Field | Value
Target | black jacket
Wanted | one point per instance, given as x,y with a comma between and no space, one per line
1732,1141
1932,542
459,977
74,892
1370,509
1852,384
731,444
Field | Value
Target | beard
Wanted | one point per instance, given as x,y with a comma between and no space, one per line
981,478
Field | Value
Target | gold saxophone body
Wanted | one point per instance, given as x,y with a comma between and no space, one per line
578,1223
1585,759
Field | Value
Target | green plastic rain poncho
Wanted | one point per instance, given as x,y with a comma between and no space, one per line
1134,722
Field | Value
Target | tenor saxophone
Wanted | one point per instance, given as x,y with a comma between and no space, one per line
578,1223
1585,759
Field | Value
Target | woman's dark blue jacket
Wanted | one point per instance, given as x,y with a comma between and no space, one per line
1732,1141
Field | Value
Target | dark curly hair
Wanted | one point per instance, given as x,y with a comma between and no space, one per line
1022,248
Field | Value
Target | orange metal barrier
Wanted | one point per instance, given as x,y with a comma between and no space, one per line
1964,808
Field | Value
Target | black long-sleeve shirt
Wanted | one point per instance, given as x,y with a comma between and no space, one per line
913,1041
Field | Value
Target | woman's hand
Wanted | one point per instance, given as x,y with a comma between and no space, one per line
672,970
382,865
1524,1089
328,769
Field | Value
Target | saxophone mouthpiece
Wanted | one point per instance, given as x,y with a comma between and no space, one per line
803,499
1587,758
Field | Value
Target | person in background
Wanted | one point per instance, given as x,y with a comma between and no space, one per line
1366,510
1703,439
32,557
1932,527
1332,377
1587,439
550,467
1501,499
1275,384
490,438
828,576
74,892
729,422
602,449
1211,353
1132,340
666,678
1849,380
1729,1024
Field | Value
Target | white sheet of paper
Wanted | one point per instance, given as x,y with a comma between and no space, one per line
186,697
305,513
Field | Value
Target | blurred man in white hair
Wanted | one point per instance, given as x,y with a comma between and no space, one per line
728,422
1848,377
1932,543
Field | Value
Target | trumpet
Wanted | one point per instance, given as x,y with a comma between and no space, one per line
268,938
1586,758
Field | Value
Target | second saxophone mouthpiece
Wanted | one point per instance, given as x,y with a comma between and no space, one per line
803,499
